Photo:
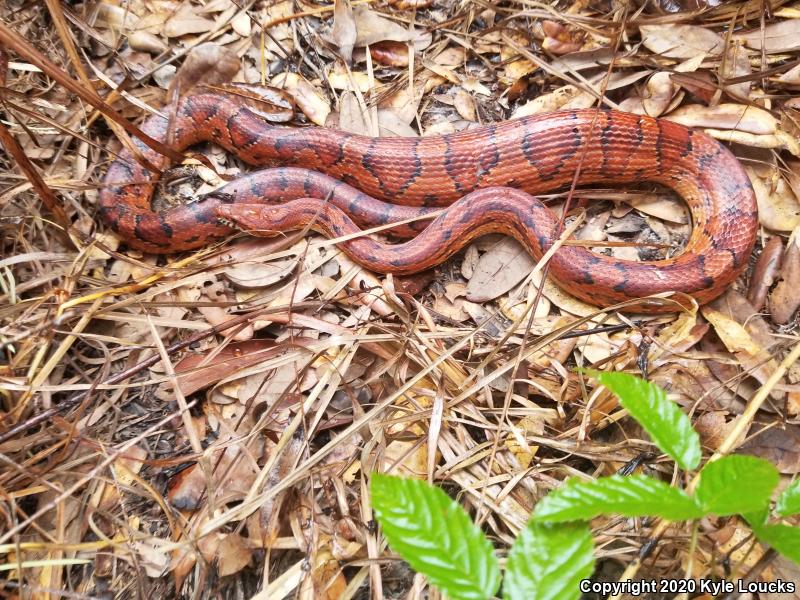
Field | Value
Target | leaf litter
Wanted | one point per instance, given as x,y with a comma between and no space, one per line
259,382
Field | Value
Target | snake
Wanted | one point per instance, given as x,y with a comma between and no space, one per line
488,178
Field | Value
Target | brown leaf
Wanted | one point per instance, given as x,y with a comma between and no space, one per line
765,272
233,554
186,21
783,36
778,208
207,63
271,104
344,29
736,64
749,119
410,4
713,428
198,371
784,299
465,105
373,28
233,474
389,52
560,39
778,443
655,99
498,270
680,41
308,99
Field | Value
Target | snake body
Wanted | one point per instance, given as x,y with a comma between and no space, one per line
338,182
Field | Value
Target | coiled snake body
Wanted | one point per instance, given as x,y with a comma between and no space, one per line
338,182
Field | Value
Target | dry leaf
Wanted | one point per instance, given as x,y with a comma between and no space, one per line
779,443
372,28
207,63
502,267
778,208
233,554
308,99
344,29
567,96
186,21
389,52
736,64
765,272
783,36
680,41
748,119
655,99
784,300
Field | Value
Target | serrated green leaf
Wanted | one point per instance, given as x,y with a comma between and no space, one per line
634,496
736,484
783,538
789,500
548,561
435,536
663,420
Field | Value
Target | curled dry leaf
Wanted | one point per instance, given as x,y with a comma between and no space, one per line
389,52
784,300
765,272
680,41
126,468
352,116
783,36
655,99
792,76
751,355
566,97
352,81
252,275
713,428
778,208
391,123
308,99
465,105
242,24
660,206
560,39
145,41
207,63
747,125
748,119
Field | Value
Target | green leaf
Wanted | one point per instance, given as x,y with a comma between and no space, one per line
736,484
435,536
784,538
789,501
634,496
549,560
663,420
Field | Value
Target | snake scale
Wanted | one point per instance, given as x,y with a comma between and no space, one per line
337,182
